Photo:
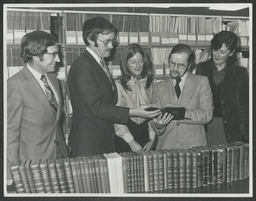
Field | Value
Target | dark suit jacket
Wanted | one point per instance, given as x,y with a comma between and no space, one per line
33,128
234,97
94,112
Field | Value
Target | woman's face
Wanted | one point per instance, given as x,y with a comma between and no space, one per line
221,55
135,64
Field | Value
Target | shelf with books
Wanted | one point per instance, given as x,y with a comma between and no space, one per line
222,168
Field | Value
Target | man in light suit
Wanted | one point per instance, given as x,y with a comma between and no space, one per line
193,93
93,93
33,128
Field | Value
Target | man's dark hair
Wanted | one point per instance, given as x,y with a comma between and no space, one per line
95,26
35,44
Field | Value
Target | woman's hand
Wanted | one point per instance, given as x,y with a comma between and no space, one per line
148,146
134,146
162,120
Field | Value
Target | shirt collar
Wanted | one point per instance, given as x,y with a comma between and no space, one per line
95,56
35,73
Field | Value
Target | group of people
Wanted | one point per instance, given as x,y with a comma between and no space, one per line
125,114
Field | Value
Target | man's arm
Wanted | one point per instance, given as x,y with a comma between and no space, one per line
14,120
202,114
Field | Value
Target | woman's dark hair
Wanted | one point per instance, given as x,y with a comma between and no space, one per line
128,52
182,48
95,26
35,44
231,41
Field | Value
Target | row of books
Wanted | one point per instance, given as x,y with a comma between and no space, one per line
185,24
135,172
19,23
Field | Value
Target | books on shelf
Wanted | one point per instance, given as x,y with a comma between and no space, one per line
135,172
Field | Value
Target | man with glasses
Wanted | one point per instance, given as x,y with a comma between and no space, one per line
186,91
34,103
93,93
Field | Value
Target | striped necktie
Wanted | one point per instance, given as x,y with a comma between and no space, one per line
177,87
49,94
105,69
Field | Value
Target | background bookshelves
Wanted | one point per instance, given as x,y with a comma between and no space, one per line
157,33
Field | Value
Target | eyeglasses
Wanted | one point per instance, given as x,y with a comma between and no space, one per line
179,66
106,42
54,54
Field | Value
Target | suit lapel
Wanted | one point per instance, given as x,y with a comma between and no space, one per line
38,92
188,90
98,68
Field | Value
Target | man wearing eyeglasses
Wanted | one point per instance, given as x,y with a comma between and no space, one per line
188,92
34,103
93,93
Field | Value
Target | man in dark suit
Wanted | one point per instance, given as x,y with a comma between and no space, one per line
93,93
34,103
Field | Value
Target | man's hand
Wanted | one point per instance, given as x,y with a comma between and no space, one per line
141,112
162,120
134,146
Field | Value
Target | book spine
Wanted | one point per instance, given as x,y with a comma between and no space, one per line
37,177
236,162
214,166
129,175
150,172
74,174
182,168
160,170
46,176
24,177
229,163
61,176
188,169
97,173
169,159
30,177
15,172
194,166
176,171
68,171
142,181
106,175
156,171
53,176
220,175
82,168
101,169
87,175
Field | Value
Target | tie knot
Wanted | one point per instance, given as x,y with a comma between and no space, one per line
178,80
43,78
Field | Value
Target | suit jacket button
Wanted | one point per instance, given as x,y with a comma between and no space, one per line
225,121
56,142
222,102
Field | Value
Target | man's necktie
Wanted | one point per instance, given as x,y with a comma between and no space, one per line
49,94
177,87
105,69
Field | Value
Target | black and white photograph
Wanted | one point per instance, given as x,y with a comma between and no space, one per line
127,100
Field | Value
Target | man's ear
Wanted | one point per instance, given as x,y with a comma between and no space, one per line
36,58
231,54
89,40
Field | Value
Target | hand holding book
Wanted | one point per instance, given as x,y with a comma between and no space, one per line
178,113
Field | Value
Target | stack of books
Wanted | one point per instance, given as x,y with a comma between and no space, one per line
135,172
